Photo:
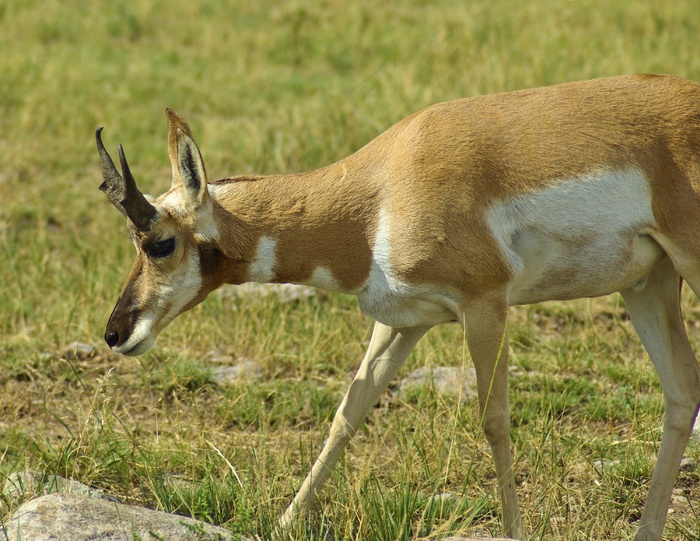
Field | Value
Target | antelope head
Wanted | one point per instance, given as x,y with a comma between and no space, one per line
175,236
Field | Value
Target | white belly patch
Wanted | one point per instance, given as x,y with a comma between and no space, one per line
583,237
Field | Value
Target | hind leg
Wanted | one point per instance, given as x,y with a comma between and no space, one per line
656,316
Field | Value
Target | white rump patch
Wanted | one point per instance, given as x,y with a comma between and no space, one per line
262,267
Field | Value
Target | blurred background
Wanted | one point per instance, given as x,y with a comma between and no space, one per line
276,87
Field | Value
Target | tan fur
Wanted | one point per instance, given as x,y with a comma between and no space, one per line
440,168
410,223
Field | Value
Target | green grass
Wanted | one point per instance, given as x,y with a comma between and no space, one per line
287,86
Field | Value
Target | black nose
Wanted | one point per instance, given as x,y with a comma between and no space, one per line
112,339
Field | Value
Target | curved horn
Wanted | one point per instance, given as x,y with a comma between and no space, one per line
113,183
137,207
122,191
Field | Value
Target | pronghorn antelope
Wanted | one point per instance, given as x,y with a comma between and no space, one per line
452,215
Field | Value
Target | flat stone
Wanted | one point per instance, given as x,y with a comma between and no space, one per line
179,483
80,518
446,497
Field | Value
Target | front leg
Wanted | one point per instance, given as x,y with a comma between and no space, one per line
485,320
388,349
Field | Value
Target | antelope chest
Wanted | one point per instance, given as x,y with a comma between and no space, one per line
391,301
401,305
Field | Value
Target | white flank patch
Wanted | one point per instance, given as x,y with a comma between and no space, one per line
582,237
381,252
262,267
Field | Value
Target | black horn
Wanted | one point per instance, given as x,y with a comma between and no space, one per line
122,191
113,183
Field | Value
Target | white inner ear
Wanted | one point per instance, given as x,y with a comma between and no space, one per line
191,170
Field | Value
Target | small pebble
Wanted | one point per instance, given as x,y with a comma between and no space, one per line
601,465
688,464
243,371
79,351
453,381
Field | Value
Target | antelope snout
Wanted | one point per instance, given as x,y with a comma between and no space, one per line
131,335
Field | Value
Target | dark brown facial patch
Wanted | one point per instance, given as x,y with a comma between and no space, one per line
126,312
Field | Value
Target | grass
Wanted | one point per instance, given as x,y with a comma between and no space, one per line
280,87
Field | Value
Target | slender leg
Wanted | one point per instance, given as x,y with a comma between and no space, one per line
656,316
388,349
486,321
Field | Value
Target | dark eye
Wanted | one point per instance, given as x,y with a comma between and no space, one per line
162,248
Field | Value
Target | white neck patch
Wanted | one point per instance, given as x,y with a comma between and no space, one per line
262,267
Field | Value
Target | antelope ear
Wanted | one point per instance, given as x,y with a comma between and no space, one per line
187,164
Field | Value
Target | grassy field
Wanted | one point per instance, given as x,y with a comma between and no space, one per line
282,86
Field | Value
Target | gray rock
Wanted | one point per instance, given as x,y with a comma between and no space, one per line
79,518
688,464
447,380
33,483
79,351
445,497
